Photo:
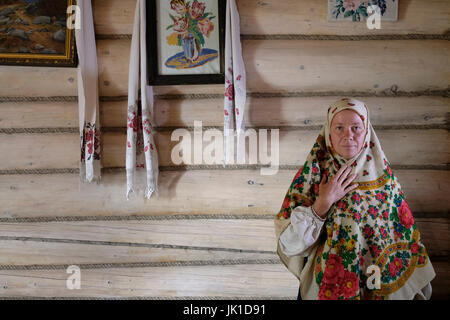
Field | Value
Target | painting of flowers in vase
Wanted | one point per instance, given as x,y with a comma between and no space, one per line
188,37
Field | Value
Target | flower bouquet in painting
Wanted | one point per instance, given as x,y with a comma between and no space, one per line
357,9
191,24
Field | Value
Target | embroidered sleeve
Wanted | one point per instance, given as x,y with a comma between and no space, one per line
303,231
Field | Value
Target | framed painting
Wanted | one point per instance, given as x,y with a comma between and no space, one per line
34,33
356,10
185,41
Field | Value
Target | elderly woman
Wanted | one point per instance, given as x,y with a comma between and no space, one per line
345,229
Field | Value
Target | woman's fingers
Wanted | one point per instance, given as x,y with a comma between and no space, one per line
344,175
340,172
351,187
349,180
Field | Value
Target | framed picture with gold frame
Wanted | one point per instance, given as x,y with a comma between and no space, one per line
35,33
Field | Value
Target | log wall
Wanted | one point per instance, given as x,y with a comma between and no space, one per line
210,232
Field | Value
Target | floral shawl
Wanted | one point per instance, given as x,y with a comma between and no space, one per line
371,225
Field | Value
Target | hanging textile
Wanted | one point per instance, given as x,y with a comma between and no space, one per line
141,153
235,87
88,101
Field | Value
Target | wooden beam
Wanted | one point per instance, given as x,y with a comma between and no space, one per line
299,17
259,112
191,191
46,151
276,66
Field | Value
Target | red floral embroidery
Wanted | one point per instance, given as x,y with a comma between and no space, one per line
146,126
368,158
334,269
405,215
226,112
133,121
389,171
238,77
91,142
286,203
351,104
229,91
415,248
328,292
395,266
237,111
350,284
374,250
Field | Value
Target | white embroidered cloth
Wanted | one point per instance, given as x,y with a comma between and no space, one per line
235,88
141,153
88,101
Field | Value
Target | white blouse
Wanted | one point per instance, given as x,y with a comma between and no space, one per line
304,231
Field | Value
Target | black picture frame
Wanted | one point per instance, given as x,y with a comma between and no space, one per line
154,78
19,32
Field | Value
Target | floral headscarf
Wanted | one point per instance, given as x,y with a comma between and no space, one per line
370,225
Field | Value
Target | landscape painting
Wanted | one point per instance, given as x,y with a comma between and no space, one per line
35,33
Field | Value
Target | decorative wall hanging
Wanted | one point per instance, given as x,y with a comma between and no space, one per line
235,88
141,153
356,10
34,33
88,100
186,41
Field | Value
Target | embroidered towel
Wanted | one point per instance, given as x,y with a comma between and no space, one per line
88,101
235,87
141,153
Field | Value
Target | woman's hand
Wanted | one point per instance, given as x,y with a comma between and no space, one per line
334,190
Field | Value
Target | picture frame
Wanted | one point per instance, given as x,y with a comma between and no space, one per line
35,33
186,42
357,10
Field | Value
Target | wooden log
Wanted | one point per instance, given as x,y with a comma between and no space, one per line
295,145
48,253
37,81
47,151
212,281
299,17
291,111
191,191
260,112
272,66
161,240
198,281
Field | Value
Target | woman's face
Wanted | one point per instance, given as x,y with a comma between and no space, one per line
347,133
